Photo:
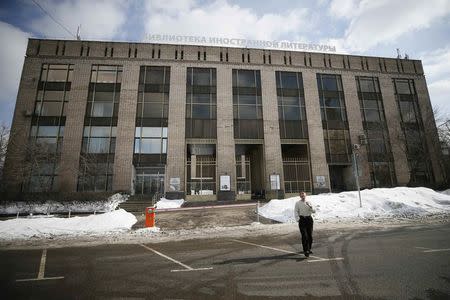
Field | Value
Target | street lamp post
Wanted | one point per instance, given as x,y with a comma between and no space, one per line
356,170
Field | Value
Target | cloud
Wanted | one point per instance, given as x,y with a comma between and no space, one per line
382,21
11,62
436,65
99,19
219,18
345,9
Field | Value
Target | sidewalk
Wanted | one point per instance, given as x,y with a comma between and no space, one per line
194,216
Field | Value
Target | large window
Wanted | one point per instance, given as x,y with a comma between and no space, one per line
150,144
291,105
413,132
201,105
334,119
47,131
375,128
104,93
247,104
99,136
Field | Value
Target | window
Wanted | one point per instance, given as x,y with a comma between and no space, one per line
104,93
334,118
291,105
99,139
375,129
150,140
201,103
247,104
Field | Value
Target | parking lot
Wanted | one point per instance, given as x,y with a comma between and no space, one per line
400,263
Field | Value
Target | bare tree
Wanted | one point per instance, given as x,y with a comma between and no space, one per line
4,138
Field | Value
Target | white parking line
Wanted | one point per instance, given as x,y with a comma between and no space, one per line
186,267
436,250
428,250
41,273
317,259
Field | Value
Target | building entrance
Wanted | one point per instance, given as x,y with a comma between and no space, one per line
250,171
149,182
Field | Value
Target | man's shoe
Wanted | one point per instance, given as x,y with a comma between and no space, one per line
307,254
310,252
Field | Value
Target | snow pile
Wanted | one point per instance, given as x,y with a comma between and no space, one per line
376,203
164,203
47,226
446,192
55,207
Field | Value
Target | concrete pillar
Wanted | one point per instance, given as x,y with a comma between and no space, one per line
355,127
272,143
14,173
226,160
395,131
176,146
431,135
319,165
73,131
123,159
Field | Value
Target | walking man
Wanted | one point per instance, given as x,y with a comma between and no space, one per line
303,210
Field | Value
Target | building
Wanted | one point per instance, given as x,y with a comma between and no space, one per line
205,122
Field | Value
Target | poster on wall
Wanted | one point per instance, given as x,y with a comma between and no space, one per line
174,184
274,182
225,183
320,181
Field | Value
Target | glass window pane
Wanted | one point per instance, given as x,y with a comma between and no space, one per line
289,80
200,111
247,112
402,87
329,83
367,85
334,114
99,145
291,101
100,131
201,98
372,115
246,78
153,110
151,146
102,109
49,108
137,145
53,95
201,76
247,99
292,113
332,102
165,132
154,75
106,76
57,75
48,130
151,132
104,96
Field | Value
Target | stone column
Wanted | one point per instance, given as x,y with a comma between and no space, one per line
14,172
395,131
73,131
226,160
355,127
319,166
176,146
123,159
431,135
272,143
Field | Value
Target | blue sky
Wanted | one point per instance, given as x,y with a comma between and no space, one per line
420,28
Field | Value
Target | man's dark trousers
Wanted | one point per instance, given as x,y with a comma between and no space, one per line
305,224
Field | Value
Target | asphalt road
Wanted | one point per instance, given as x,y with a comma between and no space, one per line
401,263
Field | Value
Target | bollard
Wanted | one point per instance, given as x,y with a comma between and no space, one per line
17,215
69,213
257,212
150,216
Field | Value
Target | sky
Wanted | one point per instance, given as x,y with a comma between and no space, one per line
419,28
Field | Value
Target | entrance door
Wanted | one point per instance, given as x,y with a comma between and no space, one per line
149,183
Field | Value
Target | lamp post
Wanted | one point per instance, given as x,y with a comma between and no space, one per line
356,170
